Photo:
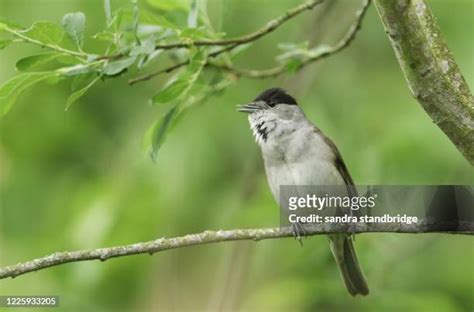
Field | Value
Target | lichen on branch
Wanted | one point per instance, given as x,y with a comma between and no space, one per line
208,237
432,74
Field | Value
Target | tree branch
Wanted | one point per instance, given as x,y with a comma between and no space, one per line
277,70
42,44
268,28
233,42
432,75
177,65
208,237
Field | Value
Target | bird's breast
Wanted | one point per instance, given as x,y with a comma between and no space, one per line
301,158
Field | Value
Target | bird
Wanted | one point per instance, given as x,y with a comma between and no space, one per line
297,152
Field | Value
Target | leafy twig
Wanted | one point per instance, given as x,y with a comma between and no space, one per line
277,70
269,27
230,43
43,44
177,65
274,71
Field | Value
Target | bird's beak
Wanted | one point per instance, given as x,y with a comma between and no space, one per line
248,108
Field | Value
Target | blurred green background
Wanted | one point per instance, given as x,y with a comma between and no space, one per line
79,179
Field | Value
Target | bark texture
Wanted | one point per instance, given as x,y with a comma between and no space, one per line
208,237
432,75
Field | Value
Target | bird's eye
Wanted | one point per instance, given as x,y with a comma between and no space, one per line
271,103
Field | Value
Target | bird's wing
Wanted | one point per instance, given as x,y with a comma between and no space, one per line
340,166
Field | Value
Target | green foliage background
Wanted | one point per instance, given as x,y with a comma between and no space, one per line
80,179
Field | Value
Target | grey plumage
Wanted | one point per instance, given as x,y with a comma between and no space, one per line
296,152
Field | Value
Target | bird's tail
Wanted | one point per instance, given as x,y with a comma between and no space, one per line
343,251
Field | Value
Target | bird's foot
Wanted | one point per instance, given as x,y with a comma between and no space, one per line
298,232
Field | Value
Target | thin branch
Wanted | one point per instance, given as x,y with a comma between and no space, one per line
280,69
209,237
178,65
42,44
269,27
232,43
274,71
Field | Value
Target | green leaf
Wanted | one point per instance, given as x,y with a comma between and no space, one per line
184,81
126,18
45,32
117,18
196,64
65,59
76,95
105,35
3,26
145,61
78,69
135,16
108,12
148,18
75,24
197,95
4,43
9,23
54,79
171,92
147,46
117,67
193,14
35,61
80,81
321,49
292,65
290,46
179,5
156,134
293,51
12,89
194,33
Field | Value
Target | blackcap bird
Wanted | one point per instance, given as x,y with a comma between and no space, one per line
296,152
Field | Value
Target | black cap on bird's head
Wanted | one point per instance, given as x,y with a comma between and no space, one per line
267,99
275,96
